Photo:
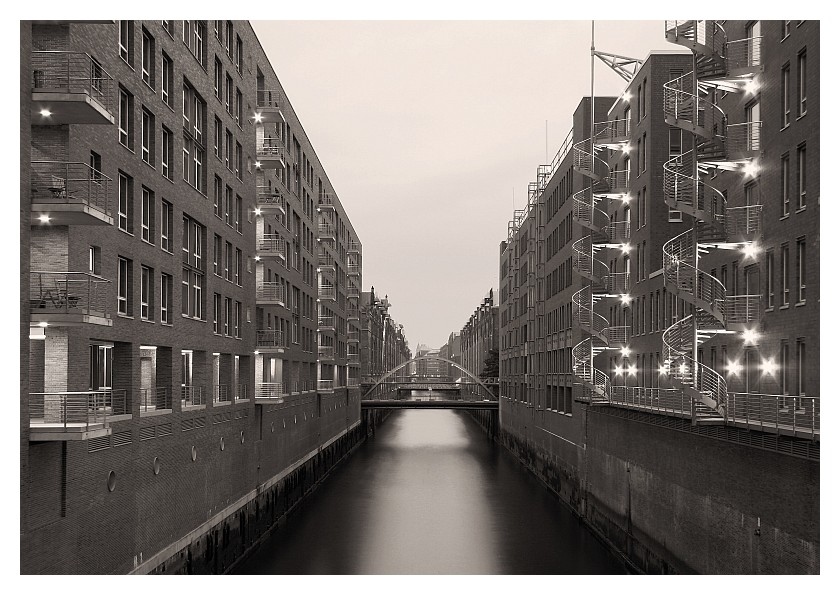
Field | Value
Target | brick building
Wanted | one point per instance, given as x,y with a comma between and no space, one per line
480,335
383,343
166,153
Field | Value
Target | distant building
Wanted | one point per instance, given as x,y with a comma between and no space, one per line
480,335
382,342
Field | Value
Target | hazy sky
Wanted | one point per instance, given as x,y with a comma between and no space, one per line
428,131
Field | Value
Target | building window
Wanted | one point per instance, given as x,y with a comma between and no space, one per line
753,119
785,94
643,155
785,178
753,35
238,214
124,287
643,207
784,368
217,313
800,271
192,281
147,215
801,165
217,137
238,170
194,126
237,321
229,38
785,29
239,54
800,367
237,271
148,54
228,205
166,225
95,260
785,274
193,37
801,84
217,254
166,152
228,150
124,206
229,94
217,79
166,78
239,108
146,291
228,261
126,127
228,315
166,298
147,136
771,280
127,41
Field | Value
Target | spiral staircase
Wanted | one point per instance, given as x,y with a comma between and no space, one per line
590,158
690,104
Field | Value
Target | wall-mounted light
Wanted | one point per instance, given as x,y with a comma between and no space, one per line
44,218
625,351
751,169
46,113
750,337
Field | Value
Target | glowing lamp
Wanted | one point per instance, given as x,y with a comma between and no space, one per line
44,218
625,298
750,249
257,117
751,169
258,211
769,367
43,324
625,351
46,113
751,87
734,368
750,336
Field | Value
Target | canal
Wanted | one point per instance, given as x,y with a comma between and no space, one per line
431,494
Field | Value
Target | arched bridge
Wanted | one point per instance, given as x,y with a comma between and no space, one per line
393,392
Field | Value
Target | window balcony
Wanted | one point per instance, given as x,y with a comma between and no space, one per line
326,323
271,246
65,193
270,199
271,293
81,415
326,230
240,392
157,399
271,341
354,269
326,353
68,299
271,153
70,88
268,106
193,396
221,394
353,292
326,386
326,272
353,357
270,393
352,336
352,313
326,202
326,292
353,247
741,311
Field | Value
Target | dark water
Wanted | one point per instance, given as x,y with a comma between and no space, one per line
430,494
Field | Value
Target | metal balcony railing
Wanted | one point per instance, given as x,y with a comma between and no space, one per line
271,291
241,392
741,309
775,413
221,393
272,243
708,34
595,383
352,336
326,292
351,382
72,72
272,148
327,200
326,321
271,338
677,351
270,197
743,53
326,385
326,229
353,358
353,246
353,269
743,221
270,390
660,400
155,399
325,259
70,183
744,137
612,132
75,410
268,99
326,352
193,396
67,293
352,313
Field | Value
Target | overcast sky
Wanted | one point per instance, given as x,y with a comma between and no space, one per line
429,130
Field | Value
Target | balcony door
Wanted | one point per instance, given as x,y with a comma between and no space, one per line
101,362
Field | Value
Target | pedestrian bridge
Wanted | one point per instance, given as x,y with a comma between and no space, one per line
397,392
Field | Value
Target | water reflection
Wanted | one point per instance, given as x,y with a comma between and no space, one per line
431,494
